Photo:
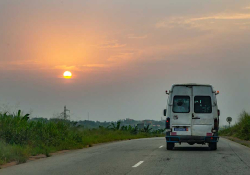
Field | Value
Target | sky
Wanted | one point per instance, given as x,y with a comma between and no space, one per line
123,55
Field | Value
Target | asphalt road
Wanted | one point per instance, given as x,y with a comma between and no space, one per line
143,156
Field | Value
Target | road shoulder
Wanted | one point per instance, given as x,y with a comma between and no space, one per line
237,140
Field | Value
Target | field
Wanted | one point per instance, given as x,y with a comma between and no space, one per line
21,138
241,129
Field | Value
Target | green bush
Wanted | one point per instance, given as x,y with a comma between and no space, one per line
21,137
10,153
17,130
240,129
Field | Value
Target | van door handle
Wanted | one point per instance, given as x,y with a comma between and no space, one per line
195,117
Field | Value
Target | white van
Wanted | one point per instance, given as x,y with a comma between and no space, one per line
192,115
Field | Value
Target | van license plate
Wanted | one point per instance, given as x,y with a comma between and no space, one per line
180,129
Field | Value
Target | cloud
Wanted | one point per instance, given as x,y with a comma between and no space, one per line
21,65
204,22
248,8
172,22
113,46
81,67
65,67
121,57
110,45
23,62
95,65
224,17
131,36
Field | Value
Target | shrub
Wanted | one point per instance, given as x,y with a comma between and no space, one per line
21,137
240,129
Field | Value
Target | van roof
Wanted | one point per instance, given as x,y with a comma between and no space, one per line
191,84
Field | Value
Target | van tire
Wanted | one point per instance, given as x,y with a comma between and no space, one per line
213,145
170,146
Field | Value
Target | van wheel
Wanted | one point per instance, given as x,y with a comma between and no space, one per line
212,146
170,146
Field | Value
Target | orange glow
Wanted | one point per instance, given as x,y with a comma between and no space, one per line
67,74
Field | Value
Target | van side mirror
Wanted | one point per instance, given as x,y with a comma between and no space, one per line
165,112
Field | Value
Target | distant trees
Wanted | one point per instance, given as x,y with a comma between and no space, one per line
126,124
133,129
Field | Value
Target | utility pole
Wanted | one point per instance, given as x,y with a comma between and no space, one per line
88,116
65,116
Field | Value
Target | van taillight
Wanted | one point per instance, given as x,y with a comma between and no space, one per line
168,123
216,124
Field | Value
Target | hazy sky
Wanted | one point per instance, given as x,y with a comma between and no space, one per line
123,55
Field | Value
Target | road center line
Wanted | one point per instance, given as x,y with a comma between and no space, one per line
160,146
138,164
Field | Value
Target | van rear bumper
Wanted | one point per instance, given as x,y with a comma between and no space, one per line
192,139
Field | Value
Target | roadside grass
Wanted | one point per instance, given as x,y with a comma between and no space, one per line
241,129
22,138
96,136
245,144
9,153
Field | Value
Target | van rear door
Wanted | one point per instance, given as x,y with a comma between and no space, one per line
181,118
202,117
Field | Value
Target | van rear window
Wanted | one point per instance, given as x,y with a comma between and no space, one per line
202,104
181,104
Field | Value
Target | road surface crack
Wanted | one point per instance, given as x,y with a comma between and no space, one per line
238,156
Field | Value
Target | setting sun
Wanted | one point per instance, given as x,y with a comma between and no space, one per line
67,74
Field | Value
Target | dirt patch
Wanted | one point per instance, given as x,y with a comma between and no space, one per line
40,156
60,152
32,158
8,164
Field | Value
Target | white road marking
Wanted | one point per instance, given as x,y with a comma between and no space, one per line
138,164
160,146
